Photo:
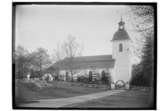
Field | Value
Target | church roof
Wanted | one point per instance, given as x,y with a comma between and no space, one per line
86,62
121,33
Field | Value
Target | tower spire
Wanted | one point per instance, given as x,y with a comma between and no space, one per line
121,18
121,33
121,24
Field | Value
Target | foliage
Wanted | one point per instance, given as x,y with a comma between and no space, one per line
32,63
148,61
83,79
22,62
41,59
105,78
143,73
144,19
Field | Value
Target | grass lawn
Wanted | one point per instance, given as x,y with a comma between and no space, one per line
28,92
127,99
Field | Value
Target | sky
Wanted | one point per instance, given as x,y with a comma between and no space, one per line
47,26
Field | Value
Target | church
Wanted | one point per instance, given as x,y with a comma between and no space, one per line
117,65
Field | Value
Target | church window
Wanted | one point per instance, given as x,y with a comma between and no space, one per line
120,47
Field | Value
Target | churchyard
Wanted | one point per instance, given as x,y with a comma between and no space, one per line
34,90
38,89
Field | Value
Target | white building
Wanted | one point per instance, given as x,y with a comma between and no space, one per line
121,54
118,65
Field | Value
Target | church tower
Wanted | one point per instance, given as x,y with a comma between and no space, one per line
121,52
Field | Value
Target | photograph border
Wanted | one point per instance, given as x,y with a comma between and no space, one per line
154,4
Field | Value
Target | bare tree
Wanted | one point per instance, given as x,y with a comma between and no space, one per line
58,54
71,49
56,58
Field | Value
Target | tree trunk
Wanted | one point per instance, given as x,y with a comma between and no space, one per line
71,75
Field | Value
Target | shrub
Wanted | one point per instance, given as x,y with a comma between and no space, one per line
83,79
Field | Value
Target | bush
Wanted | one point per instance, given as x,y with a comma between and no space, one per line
83,79
31,86
140,78
105,78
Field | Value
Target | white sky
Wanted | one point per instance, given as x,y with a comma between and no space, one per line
48,25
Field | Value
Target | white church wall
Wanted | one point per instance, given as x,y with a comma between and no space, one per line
122,69
97,73
112,74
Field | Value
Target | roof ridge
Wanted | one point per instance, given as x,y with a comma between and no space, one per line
93,56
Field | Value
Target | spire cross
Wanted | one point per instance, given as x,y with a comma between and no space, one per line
121,18
121,24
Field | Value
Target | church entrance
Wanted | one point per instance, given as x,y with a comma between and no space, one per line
120,84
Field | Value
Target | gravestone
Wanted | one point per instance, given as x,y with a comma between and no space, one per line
127,86
28,76
112,86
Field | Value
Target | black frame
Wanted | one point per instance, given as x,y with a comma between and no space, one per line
154,4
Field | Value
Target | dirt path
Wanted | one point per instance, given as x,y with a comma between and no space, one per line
55,103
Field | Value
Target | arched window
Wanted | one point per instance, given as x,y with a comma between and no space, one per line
120,47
